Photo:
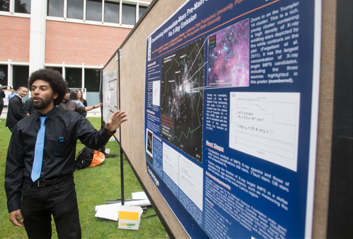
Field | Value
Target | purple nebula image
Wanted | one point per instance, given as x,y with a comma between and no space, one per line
228,56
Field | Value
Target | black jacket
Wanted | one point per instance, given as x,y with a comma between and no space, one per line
29,107
63,129
2,96
15,111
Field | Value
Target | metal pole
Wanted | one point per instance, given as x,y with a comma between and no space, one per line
121,150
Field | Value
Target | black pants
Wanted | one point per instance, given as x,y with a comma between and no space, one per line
39,203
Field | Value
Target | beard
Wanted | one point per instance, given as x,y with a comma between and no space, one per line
42,104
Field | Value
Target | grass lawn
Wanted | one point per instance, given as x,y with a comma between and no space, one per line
93,186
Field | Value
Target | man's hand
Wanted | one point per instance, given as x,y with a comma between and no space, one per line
16,218
115,121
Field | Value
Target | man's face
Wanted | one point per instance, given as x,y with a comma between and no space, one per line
42,95
67,97
23,91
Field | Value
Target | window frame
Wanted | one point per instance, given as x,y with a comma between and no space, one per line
12,75
8,7
10,64
130,5
73,67
83,9
135,3
13,2
85,12
63,10
84,78
12,12
83,67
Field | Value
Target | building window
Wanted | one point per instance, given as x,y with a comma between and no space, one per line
4,5
92,80
23,6
142,10
91,10
75,9
94,10
111,11
59,69
73,77
20,76
3,75
129,14
55,8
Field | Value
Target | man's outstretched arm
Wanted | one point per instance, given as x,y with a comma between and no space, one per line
94,139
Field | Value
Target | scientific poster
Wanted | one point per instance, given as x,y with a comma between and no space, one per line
231,116
110,94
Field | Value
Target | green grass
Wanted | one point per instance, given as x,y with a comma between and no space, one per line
93,186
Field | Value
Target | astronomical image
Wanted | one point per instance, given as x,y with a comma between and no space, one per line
149,143
228,56
182,98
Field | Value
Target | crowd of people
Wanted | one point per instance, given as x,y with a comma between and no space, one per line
19,109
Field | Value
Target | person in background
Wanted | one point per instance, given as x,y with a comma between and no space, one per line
29,107
70,105
15,111
40,162
73,105
12,94
80,97
74,97
2,96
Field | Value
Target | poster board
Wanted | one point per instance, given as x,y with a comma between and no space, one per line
110,91
133,73
231,113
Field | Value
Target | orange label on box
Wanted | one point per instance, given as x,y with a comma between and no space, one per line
128,215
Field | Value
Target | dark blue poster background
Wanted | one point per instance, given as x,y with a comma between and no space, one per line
230,116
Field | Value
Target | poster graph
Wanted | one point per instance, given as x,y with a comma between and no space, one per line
181,99
266,125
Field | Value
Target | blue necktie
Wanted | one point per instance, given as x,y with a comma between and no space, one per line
39,149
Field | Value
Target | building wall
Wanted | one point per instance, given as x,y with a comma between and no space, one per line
75,43
14,38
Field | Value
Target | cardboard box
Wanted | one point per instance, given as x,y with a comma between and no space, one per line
129,217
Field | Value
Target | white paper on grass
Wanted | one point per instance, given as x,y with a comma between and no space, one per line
139,195
109,213
115,206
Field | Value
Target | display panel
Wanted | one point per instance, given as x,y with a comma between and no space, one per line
231,116
110,94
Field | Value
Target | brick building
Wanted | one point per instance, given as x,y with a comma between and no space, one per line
75,37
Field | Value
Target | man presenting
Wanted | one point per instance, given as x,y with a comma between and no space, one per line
15,111
41,160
